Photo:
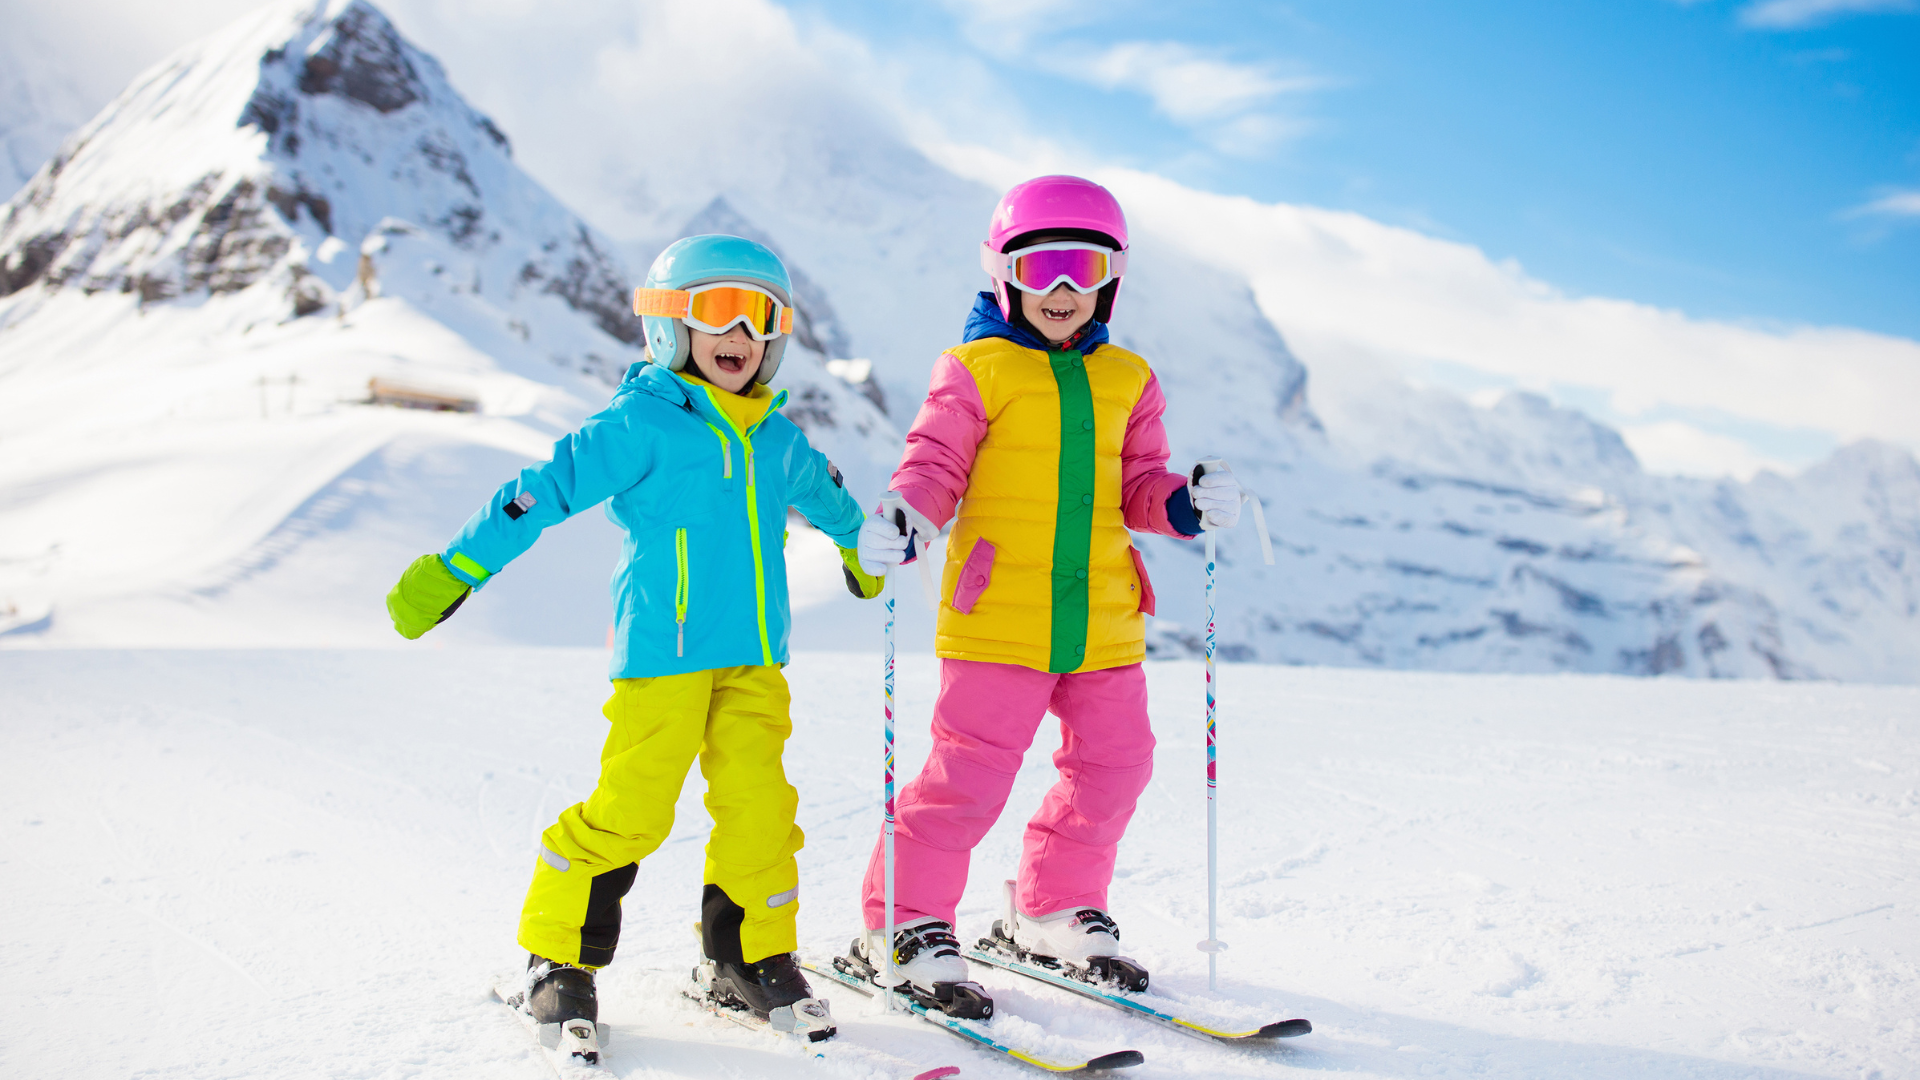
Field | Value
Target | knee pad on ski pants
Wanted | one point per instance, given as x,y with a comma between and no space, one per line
736,721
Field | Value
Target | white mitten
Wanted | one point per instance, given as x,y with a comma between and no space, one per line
882,546
1216,498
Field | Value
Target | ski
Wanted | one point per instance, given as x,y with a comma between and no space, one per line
971,1032
808,1018
570,1047
996,952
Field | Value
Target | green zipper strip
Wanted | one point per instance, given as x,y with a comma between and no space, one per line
726,453
680,590
1073,516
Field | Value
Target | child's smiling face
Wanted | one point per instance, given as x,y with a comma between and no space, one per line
728,361
1059,314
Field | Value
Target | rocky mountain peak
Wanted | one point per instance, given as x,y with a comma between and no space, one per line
252,160
360,56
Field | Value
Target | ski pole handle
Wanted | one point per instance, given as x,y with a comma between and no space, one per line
1207,465
913,523
1200,469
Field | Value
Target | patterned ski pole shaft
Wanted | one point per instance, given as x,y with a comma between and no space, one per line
1212,945
887,855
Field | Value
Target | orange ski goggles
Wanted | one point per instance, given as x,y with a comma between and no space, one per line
717,306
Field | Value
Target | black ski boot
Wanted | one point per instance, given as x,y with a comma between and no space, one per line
559,992
772,989
560,1005
763,987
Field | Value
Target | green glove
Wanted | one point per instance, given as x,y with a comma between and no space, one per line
427,593
859,582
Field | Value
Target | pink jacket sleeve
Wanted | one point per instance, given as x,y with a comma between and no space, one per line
1145,483
934,471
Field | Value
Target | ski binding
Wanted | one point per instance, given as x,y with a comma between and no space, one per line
573,1041
845,970
961,1000
809,1018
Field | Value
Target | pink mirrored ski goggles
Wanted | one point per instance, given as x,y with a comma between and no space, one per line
1038,269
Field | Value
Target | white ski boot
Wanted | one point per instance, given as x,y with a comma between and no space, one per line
1082,942
927,963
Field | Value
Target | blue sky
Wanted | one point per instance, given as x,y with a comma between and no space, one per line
1746,161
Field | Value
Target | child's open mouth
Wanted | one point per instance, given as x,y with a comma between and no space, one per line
730,362
1057,314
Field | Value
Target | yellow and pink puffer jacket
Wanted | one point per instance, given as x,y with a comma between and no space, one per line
1049,456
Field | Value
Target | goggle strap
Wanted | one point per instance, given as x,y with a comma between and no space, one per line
667,303
995,263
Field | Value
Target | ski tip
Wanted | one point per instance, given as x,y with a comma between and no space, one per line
1284,1029
1119,1059
939,1073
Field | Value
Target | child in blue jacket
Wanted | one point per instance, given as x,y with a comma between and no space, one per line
698,467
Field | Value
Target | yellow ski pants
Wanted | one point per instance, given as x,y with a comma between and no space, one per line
736,720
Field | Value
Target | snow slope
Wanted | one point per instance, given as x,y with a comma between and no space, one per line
309,863
200,285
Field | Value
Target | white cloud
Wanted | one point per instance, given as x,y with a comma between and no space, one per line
1794,14
1006,26
1188,86
1895,204
1676,448
1224,102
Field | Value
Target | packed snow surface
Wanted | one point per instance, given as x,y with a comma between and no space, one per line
300,863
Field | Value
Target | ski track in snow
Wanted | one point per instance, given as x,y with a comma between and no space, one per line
309,863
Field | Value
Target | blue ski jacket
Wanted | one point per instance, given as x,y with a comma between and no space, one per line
703,497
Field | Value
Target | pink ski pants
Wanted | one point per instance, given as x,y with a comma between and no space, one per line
982,725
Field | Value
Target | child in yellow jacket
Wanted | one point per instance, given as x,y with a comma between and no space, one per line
1047,440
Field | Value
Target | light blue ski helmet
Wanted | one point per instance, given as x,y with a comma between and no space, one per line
698,260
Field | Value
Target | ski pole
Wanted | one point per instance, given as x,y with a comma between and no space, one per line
886,591
1213,946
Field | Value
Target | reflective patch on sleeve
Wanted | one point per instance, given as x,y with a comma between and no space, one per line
521,503
834,472
782,899
470,568
554,859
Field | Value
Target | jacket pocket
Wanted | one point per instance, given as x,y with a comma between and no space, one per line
975,575
1146,585
680,591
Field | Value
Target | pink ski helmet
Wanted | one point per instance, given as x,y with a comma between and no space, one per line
1066,207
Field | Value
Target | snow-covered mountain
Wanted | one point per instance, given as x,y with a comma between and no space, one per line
306,196
198,289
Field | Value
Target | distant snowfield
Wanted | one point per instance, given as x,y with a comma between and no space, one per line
309,863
